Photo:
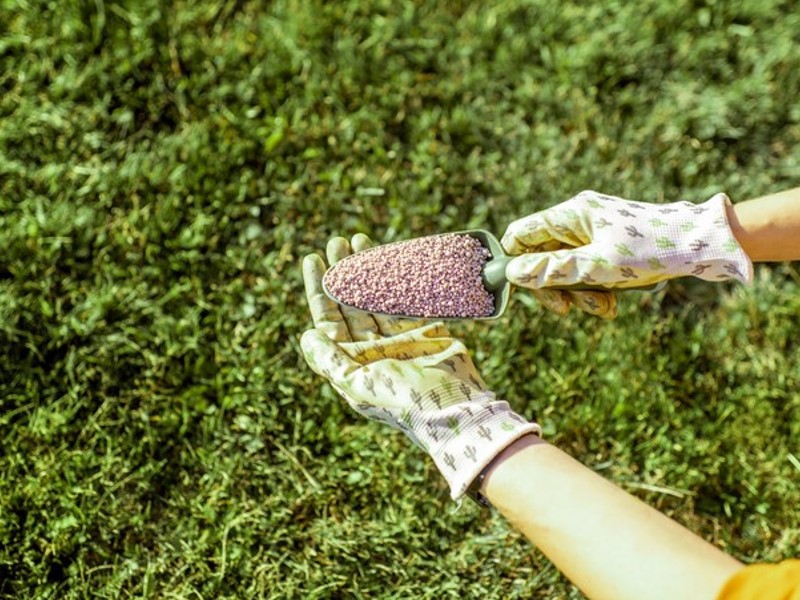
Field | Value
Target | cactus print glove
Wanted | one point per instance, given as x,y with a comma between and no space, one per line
413,376
599,240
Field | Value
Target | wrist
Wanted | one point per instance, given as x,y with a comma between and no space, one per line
505,458
767,228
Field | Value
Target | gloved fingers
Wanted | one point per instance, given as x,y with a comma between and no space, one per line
396,325
595,302
361,324
543,272
592,267
557,301
324,311
419,344
554,228
563,268
360,242
526,234
327,358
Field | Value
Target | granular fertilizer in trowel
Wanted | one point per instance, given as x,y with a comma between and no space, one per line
434,276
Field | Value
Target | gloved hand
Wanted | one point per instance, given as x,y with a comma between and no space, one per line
595,239
413,376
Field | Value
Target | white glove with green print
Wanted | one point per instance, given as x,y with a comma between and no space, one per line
414,376
597,240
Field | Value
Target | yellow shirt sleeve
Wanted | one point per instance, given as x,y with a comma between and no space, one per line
764,582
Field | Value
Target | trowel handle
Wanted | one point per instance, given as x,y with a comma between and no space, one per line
494,273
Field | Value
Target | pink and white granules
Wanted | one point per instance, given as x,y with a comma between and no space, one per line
430,277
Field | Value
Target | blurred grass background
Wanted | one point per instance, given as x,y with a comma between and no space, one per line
165,165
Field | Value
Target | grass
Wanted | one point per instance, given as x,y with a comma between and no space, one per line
163,168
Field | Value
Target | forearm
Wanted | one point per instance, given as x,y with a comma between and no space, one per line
768,228
610,544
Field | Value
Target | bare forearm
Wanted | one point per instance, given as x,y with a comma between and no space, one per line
768,228
610,544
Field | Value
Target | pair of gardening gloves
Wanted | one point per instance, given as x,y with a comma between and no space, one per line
414,376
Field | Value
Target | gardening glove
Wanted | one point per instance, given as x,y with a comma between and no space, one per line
595,239
413,376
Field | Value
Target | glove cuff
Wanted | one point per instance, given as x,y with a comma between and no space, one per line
474,434
711,252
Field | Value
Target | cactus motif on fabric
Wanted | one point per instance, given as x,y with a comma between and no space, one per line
406,418
432,431
655,264
602,223
527,278
624,250
733,269
389,383
416,398
450,460
633,232
453,424
591,302
470,453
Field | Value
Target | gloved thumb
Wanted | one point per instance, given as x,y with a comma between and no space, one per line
559,268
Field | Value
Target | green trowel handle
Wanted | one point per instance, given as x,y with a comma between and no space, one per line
494,272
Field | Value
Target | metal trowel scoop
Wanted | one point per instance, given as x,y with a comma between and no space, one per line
493,276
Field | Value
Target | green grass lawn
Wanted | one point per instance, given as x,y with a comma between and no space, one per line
165,166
